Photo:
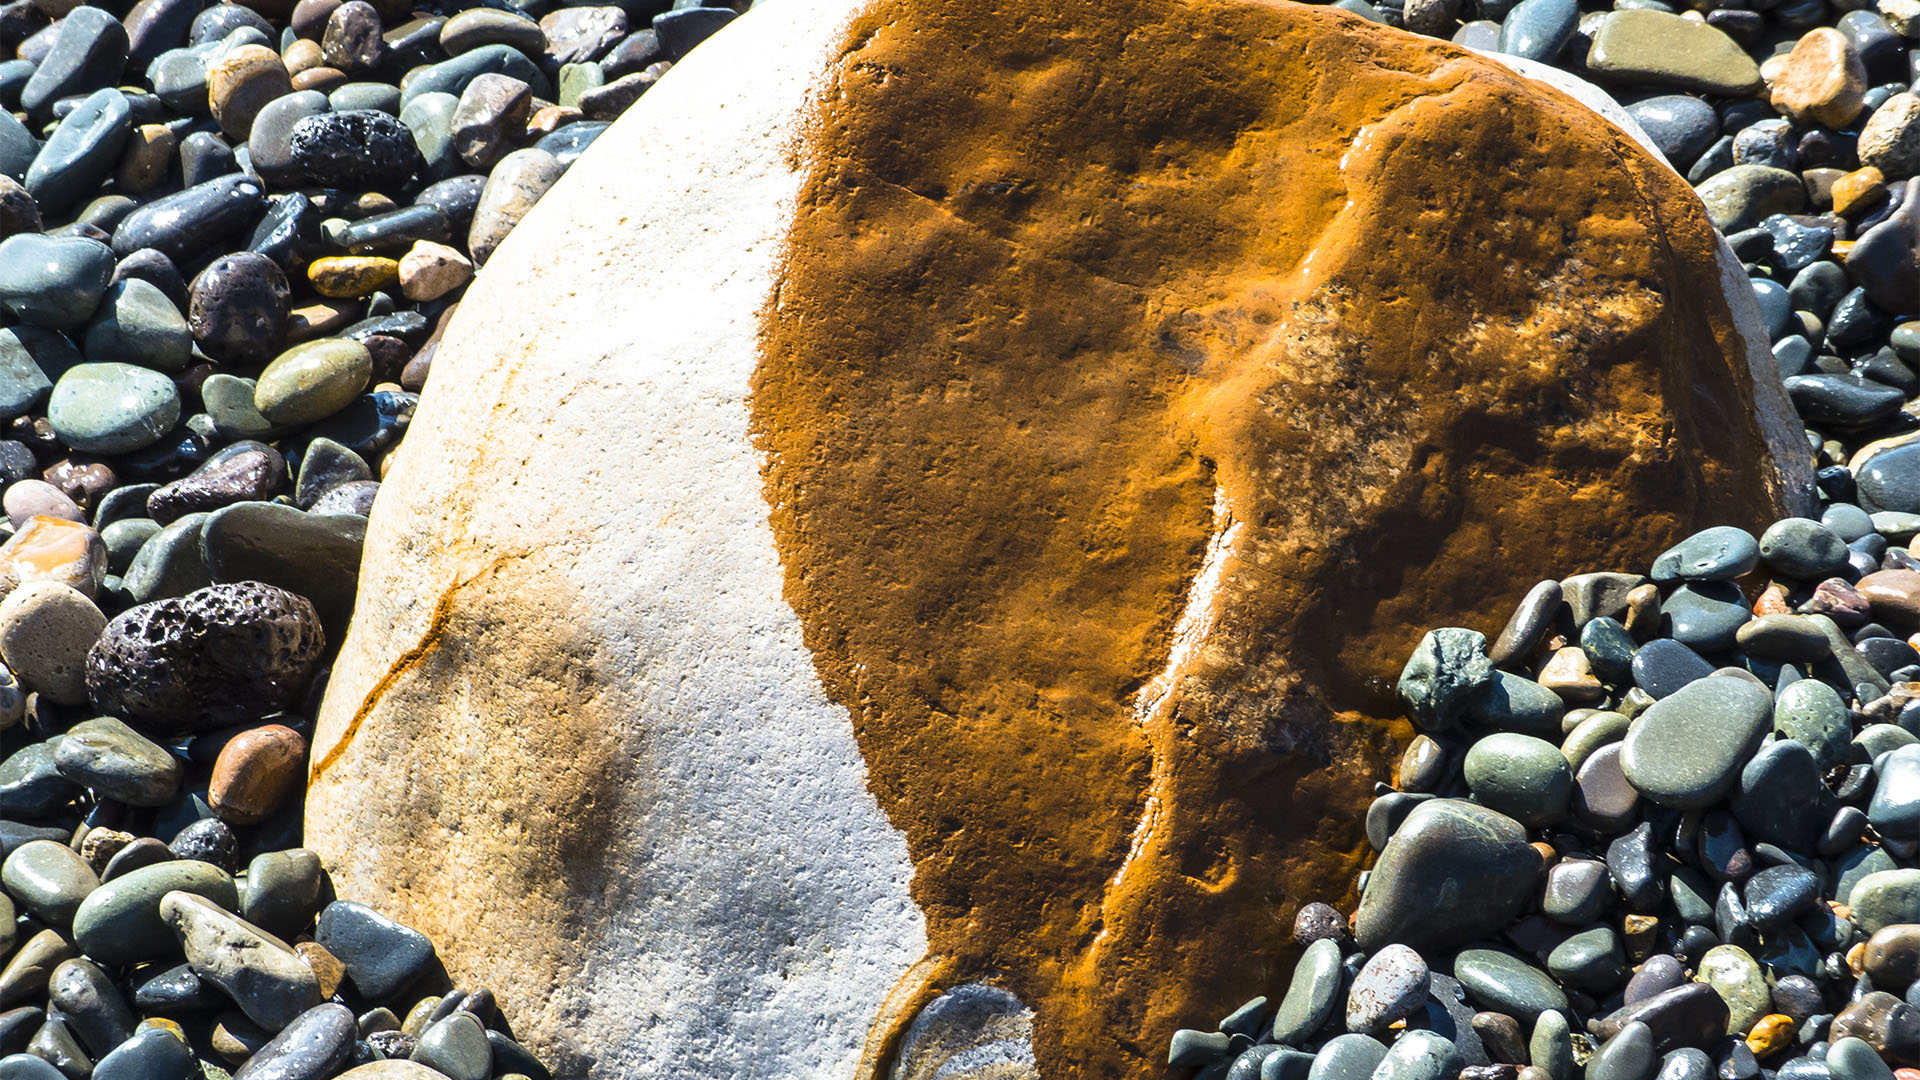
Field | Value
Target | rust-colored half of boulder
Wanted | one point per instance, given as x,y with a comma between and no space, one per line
1141,379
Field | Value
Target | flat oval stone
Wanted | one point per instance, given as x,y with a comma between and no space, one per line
312,381
1525,778
1504,983
1686,750
1885,898
53,281
120,923
1663,666
112,408
1792,638
1390,987
81,152
1516,703
1591,960
48,879
1348,1057
1691,1015
1311,996
1813,714
1890,480
1740,982
1452,872
1717,554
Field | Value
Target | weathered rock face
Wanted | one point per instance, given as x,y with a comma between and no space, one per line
941,494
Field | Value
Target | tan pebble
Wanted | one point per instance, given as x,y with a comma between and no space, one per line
326,966
1643,611
1890,139
342,277
322,78
255,772
1568,674
1821,81
551,119
1770,1034
1856,959
46,629
145,161
1858,190
241,83
429,271
1548,854
101,845
236,1038
1772,600
302,55
321,319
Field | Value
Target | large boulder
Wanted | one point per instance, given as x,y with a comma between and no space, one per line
923,521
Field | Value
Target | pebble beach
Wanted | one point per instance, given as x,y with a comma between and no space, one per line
1665,823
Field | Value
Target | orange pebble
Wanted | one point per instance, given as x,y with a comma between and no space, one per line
255,773
1770,1034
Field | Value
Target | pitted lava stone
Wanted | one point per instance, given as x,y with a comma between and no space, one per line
208,840
220,655
360,148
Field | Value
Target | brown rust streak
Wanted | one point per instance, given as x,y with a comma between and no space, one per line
443,612
1046,290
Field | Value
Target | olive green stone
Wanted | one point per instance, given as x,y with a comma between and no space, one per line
1311,995
1653,48
1885,898
120,922
312,381
112,408
1591,734
1590,960
1812,714
1525,778
1739,980
1504,983
49,879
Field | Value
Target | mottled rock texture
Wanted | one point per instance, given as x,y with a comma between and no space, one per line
942,492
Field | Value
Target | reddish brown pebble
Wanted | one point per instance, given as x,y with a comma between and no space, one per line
255,773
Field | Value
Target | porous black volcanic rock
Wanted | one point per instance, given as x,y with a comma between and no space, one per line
218,655
359,148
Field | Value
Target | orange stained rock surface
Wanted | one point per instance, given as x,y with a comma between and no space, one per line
51,549
1141,380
